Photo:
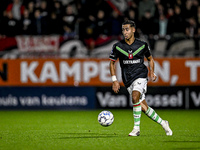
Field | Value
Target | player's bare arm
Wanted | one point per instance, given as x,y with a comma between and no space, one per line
116,85
151,67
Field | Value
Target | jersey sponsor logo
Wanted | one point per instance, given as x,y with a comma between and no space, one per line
130,55
131,61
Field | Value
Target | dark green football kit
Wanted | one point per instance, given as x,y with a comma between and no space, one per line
131,58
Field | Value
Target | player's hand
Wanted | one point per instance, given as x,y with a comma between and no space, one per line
116,86
153,76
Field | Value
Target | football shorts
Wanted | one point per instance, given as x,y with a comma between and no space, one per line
139,85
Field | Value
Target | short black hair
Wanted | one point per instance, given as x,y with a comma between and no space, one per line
132,23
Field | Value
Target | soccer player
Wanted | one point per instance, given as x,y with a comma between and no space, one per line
131,52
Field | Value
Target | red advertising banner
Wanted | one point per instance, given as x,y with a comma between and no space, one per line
37,44
92,72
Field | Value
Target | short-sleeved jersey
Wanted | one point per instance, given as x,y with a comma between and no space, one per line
131,58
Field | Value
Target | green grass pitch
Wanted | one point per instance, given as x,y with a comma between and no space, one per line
80,130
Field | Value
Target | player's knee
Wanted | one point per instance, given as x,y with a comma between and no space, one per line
135,98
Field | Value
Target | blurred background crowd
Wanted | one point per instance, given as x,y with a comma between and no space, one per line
91,20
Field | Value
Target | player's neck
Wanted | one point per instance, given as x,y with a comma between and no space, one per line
130,41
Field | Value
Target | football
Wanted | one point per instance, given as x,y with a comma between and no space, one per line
105,118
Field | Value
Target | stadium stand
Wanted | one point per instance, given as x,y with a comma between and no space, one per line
170,27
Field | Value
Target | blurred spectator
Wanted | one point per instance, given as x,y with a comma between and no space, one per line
31,9
4,4
3,7
162,25
132,7
80,5
148,20
91,7
170,12
38,3
179,3
171,21
66,2
187,9
40,25
58,9
55,24
26,22
68,33
87,28
69,17
193,31
115,24
44,12
101,25
191,28
37,23
88,32
131,15
180,22
11,26
159,9
176,23
144,6
86,19
198,15
16,8
195,7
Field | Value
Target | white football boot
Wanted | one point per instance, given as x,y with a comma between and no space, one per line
167,128
134,132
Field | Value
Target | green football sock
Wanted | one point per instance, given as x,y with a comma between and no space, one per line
153,115
137,115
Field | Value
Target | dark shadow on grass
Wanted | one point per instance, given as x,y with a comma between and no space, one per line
188,148
182,148
87,135
182,141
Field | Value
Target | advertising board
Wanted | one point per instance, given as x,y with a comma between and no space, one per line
178,97
47,98
91,72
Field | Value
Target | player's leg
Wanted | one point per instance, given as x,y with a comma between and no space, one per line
136,109
136,113
151,113
135,91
